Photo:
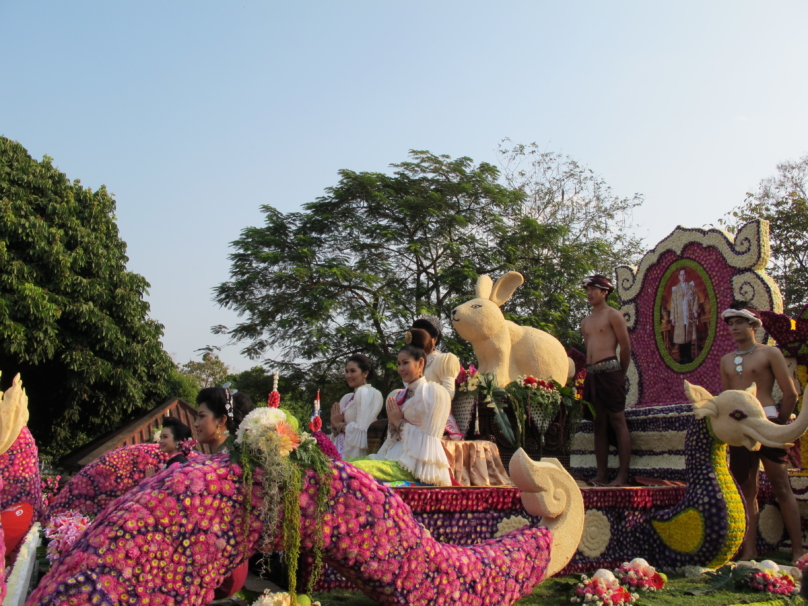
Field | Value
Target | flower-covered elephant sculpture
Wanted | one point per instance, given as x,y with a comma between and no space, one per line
108,477
173,538
502,347
19,458
707,526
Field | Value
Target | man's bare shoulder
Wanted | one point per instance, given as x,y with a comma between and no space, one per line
616,315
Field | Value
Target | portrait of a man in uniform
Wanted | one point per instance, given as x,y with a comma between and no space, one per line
684,315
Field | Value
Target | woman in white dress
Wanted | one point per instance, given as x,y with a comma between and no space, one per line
441,368
353,414
417,418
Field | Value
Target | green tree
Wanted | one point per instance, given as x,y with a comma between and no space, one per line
572,225
181,385
210,371
73,321
783,201
297,393
354,269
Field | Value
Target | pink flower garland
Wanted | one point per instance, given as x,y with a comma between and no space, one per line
174,538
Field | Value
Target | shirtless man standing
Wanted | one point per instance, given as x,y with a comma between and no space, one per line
605,385
750,363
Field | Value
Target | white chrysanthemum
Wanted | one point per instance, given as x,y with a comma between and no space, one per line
509,524
258,421
597,534
156,434
770,524
272,599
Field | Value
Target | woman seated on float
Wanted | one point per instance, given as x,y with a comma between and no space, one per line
353,414
220,413
176,441
416,418
441,368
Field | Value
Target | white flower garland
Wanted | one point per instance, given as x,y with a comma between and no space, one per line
20,578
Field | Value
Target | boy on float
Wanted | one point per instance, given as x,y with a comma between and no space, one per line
605,384
752,362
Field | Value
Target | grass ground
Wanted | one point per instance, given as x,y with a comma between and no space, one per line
557,592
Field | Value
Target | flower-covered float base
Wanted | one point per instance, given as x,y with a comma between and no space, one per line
657,443
174,538
466,516
112,474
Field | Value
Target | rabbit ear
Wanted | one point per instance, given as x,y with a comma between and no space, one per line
484,285
506,286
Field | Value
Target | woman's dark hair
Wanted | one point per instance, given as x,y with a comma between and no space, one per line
428,326
419,340
179,430
215,398
364,364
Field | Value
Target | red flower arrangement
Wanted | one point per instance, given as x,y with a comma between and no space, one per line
603,589
771,579
274,399
638,574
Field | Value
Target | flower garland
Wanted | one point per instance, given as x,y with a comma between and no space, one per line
603,589
62,530
639,575
266,440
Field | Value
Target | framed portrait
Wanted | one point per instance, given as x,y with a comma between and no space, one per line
685,315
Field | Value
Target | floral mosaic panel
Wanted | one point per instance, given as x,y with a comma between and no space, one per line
723,268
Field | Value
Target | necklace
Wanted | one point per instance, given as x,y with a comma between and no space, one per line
739,358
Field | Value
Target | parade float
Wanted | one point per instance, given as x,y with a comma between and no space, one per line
173,538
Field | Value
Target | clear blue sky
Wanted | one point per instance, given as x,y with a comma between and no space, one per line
195,113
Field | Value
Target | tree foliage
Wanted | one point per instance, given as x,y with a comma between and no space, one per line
210,371
572,225
73,321
352,270
783,201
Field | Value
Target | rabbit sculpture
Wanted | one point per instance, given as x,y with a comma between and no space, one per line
502,347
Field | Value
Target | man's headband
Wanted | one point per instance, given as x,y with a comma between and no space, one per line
751,315
598,282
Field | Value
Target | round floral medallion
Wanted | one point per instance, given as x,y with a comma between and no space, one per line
770,524
509,524
597,534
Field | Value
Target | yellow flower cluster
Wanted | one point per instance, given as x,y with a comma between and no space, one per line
736,512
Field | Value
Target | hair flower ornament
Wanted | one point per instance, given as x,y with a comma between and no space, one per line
186,446
408,338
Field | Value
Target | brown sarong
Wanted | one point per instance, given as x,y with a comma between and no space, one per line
604,387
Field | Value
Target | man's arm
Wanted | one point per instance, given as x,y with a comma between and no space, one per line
620,328
783,377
